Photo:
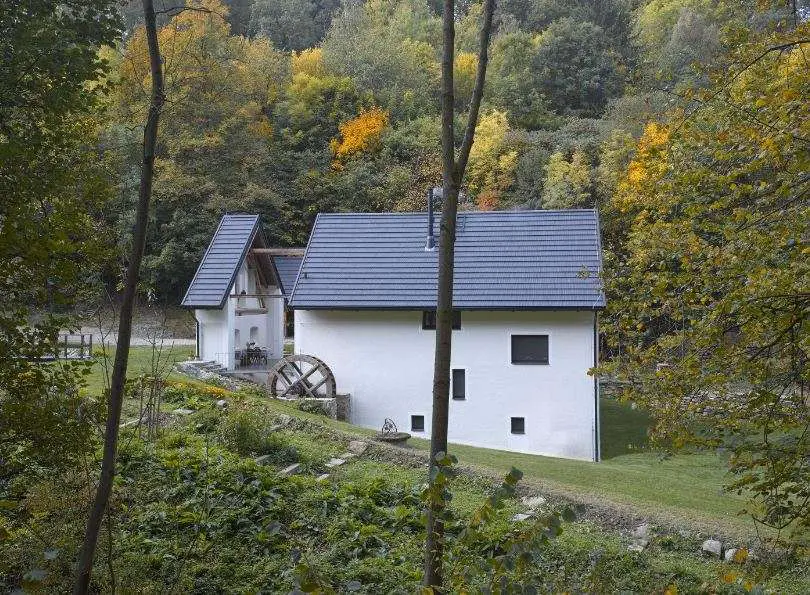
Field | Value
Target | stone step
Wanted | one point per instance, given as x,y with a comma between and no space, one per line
291,470
357,447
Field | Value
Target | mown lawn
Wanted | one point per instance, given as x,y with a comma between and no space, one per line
684,486
142,360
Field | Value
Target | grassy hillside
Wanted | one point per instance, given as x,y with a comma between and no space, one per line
196,510
685,486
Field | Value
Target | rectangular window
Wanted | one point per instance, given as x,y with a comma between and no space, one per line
429,320
459,385
417,423
530,349
518,425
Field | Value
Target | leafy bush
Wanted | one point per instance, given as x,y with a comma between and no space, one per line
193,396
250,431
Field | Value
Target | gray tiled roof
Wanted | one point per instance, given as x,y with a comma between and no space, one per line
287,267
510,260
222,260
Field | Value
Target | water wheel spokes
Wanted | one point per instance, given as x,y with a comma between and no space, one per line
297,376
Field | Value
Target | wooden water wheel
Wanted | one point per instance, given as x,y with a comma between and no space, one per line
301,376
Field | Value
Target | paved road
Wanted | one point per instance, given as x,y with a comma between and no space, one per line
138,340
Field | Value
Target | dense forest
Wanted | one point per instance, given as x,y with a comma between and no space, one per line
291,108
685,123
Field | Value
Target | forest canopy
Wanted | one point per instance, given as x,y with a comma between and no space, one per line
266,91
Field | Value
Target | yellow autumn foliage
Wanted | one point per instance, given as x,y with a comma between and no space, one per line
309,61
643,168
492,161
360,134
464,69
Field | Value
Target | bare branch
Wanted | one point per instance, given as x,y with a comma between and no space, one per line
478,89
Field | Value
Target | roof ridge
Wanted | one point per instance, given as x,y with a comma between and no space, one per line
460,213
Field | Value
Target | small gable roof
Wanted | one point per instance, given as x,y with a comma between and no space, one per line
504,260
287,267
222,260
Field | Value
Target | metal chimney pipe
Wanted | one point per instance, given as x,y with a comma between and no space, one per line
430,244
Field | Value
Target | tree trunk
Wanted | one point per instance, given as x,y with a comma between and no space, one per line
452,175
87,554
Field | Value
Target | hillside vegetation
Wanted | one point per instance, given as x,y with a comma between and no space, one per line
684,123
194,511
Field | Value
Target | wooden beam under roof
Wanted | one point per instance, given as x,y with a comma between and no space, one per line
279,251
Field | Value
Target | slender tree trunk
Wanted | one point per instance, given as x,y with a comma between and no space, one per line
87,554
452,175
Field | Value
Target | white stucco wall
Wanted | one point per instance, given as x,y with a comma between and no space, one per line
385,361
219,328
214,335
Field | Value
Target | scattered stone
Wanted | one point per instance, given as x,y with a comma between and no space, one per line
210,372
335,463
322,477
712,547
357,447
521,516
729,557
284,419
738,555
533,502
291,470
222,403
347,455
635,547
183,411
262,460
642,531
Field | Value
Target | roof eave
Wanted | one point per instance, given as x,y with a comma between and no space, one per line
462,308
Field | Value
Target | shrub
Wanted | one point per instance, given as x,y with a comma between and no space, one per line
250,432
192,396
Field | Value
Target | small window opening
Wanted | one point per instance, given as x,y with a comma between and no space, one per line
459,385
518,425
530,349
429,320
417,423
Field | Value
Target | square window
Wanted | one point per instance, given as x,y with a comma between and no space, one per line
518,425
429,320
459,384
417,423
530,349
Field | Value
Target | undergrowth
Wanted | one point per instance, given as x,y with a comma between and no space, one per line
194,512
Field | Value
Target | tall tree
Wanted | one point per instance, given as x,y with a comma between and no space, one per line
453,166
50,182
102,497
710,280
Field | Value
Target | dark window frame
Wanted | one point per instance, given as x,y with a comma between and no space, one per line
530,362
454,384
413,426
429,320
518,429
